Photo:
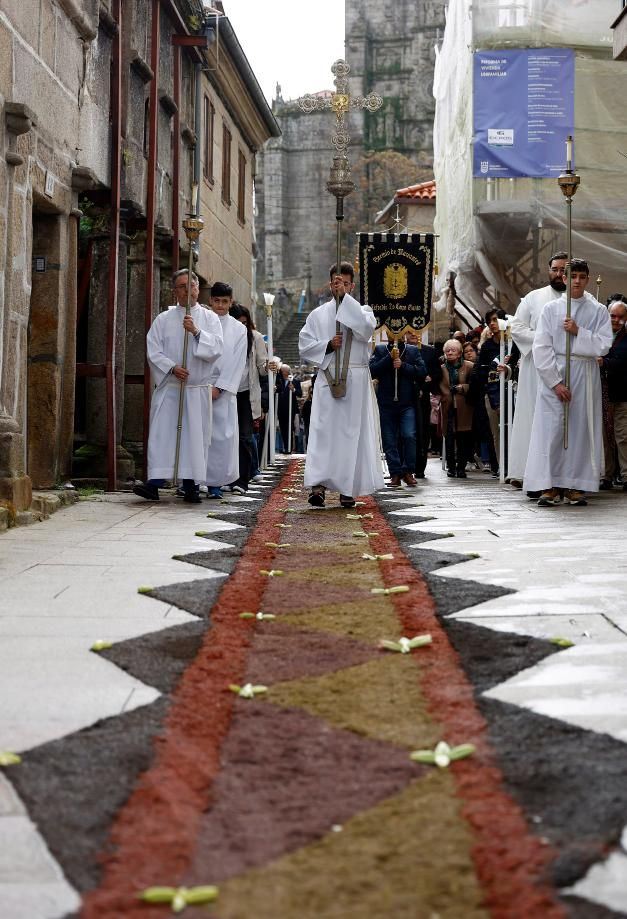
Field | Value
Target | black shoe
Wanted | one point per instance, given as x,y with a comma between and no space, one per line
451,474
192,497
461,474
149,492
605,485
347,501
316,498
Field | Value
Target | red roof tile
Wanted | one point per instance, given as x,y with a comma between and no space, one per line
424,192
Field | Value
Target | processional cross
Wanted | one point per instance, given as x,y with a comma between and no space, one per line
340,183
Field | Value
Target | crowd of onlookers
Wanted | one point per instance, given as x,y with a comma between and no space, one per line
443,400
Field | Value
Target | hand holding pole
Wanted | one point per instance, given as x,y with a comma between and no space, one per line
193,225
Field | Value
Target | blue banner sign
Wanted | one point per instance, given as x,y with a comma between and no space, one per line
524,109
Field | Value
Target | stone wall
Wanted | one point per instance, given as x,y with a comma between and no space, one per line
390,49
226,251
42,76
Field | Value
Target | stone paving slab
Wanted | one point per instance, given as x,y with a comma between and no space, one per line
569,580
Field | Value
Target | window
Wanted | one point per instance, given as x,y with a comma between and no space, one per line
241,188
207,158
226,165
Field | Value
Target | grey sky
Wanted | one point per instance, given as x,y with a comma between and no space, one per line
291,42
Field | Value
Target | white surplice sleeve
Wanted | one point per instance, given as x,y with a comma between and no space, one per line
234,357
544,356
595,341
357,317
520,327
210,344
314,335
159,362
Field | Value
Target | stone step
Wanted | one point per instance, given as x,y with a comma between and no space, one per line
43,504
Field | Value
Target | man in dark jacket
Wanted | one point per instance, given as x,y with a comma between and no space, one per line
396,397
614,369
430,384
286,384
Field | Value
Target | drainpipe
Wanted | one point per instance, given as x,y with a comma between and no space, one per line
150,208
176,159
114,246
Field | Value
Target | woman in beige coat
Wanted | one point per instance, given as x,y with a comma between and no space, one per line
456,409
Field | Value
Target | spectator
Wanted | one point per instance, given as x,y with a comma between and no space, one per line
456,409
614,369
486,380
425,390
249,399
286,384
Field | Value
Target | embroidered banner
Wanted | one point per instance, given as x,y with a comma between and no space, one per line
396,273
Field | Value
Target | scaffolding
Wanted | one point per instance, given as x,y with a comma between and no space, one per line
497,234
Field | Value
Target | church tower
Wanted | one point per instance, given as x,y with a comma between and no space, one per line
390,47
391,50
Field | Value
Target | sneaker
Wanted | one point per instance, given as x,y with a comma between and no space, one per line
549,498
410,480
494,473
214,493
257,479
316,496
238,489
574,497
606,485
347,501
149,492
395,481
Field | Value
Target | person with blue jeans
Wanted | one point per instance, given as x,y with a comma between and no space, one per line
397,379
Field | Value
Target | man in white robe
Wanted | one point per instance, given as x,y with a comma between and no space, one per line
343,450
523,329
223,455
551,469
164,344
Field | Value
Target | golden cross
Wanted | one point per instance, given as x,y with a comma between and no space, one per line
340,102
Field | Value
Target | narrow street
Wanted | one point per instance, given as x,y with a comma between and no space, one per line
529,662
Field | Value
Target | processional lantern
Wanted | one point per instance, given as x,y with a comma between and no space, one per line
568,182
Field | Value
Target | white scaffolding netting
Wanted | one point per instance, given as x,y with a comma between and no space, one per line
497,234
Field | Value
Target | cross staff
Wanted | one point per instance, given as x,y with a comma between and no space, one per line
340,183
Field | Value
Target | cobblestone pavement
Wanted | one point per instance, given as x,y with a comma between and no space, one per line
59,581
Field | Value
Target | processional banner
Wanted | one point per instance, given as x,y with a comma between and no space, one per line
396,274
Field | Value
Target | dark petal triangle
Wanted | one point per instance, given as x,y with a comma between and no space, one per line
286,779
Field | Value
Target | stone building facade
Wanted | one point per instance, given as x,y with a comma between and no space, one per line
390,49
100,139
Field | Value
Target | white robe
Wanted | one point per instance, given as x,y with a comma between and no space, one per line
223,456
343,450
523,329
549,465
164,344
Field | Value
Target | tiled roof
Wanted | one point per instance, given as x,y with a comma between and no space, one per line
423,192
